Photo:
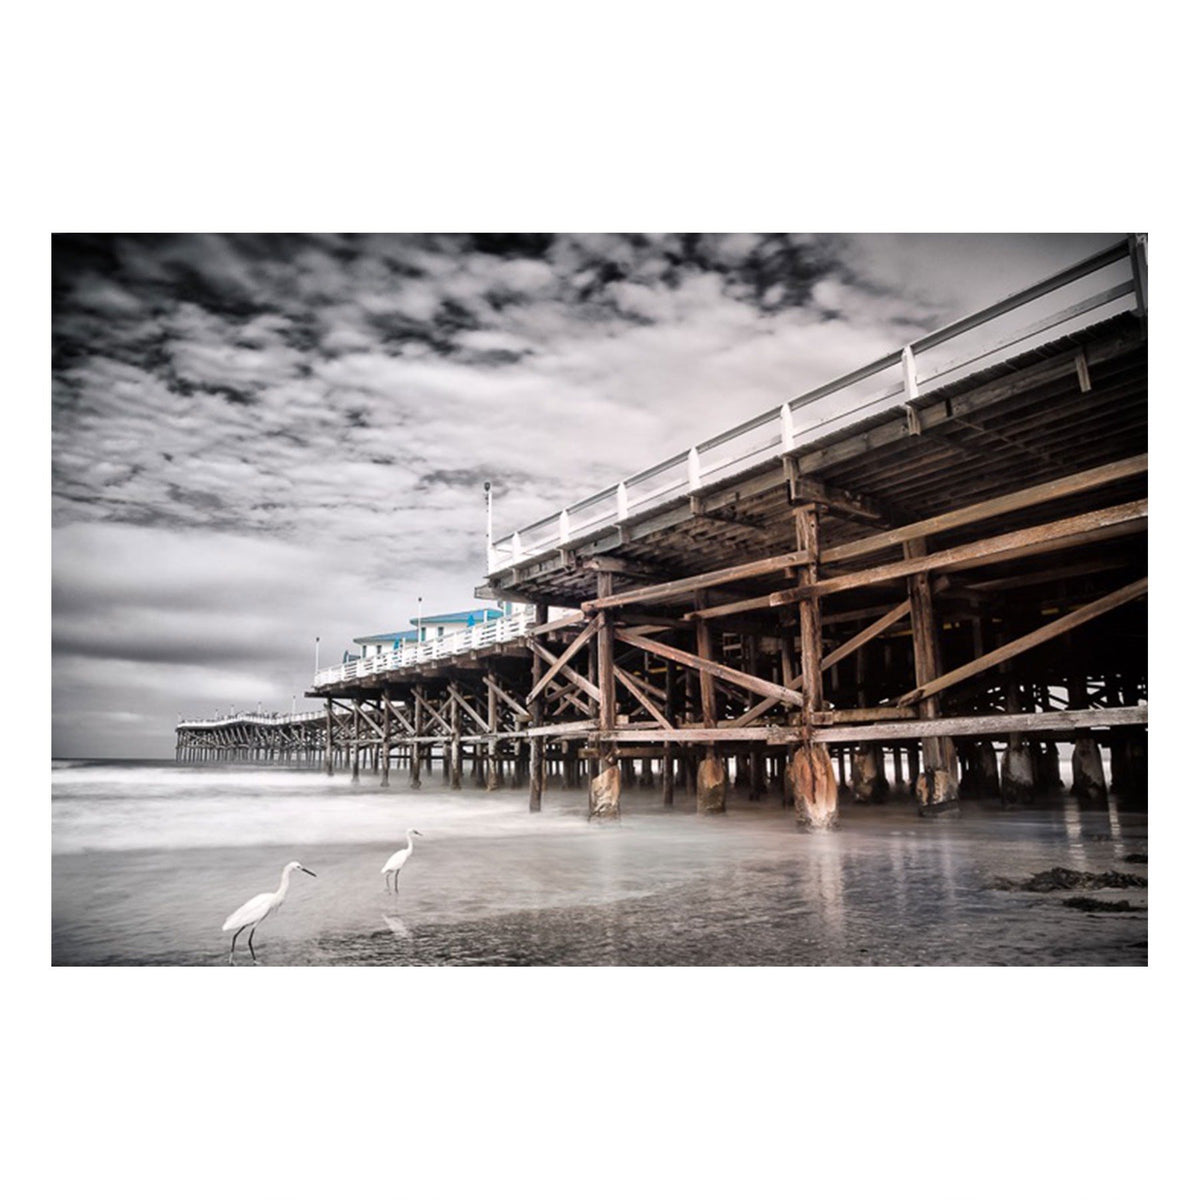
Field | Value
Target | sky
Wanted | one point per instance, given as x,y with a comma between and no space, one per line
259,440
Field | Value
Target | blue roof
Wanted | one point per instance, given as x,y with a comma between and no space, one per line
474,615
480,614
407,635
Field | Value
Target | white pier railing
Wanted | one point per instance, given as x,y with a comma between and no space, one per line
478,637
1108,282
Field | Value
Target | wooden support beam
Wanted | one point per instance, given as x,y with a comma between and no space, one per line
1056,489
501,694
329,736
386,748
493,714
465,705
752,714
640,696
810,610
424,704
986,724
850,716
574,617
651,620
701,511
730,609
1011,649
398,713
708,692
761,687
1022,542
557,664
806,490
668,775
580,681
679,587
563,730
605,654
978,725
886,621
1059,545
619,566
563,694
937,753
861,638
414,762
537,745
652,690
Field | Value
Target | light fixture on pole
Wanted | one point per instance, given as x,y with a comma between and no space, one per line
317,657
487,496
419,636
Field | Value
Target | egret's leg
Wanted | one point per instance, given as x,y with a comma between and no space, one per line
387,880
233,944
250,943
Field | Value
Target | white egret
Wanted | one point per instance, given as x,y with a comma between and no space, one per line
393,864
259,908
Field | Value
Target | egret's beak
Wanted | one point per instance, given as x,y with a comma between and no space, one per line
418,833
308,872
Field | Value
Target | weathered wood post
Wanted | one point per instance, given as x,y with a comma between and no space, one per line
756,771
668,761
328,735
414,759
1087,768
1016,764
455,743
493,721
385,774
711,780
604,795
355,748
537,743
937,787
868,779
814,788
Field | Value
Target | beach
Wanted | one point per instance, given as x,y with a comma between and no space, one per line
149,859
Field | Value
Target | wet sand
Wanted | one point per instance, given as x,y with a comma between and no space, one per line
660,887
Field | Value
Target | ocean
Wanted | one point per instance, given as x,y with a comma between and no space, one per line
149,858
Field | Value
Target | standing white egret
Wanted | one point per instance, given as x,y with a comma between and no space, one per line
393,864
259,908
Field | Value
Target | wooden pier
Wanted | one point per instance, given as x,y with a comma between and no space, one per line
297,740
937,563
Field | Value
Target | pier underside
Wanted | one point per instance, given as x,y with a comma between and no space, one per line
945,593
